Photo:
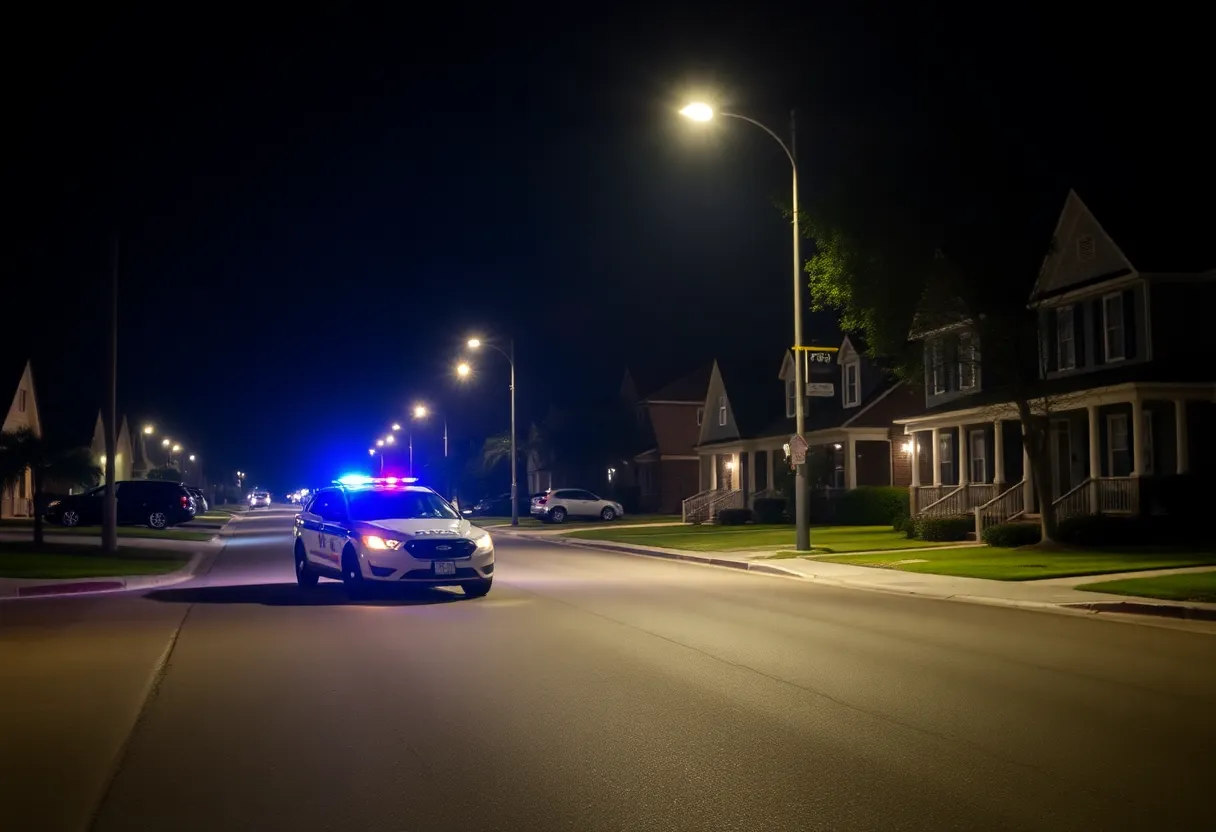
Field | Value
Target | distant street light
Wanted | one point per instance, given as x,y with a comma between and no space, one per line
422,412
396,426
700,111
149,430
379,443
390,439
463,369
192,457
166,443
476,343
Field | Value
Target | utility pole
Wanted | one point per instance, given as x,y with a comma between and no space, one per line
109,509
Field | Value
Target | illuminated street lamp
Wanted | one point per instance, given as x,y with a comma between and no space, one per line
702,112
396,426
477,343
149,430
390,439
463,369
379,443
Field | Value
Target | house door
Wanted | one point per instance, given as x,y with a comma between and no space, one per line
1061,459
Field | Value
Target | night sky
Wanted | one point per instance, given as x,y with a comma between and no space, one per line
316,212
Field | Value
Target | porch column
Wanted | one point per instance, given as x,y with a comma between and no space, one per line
1182,441
713,472
1095,457
915,455
1027,477
751,474
964,467
850,463
998,456
937,465
1137,437
770,468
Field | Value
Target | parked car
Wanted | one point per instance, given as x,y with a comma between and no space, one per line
499,506
560,503
200,500
155,503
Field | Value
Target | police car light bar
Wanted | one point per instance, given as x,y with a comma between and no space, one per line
358,479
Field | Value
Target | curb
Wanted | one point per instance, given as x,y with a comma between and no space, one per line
742,566
60,588
1142,608
1146,608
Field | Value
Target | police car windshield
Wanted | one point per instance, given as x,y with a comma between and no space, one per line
369,506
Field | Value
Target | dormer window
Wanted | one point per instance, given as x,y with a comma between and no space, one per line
937,367
968,362
791,398
852,384
721,411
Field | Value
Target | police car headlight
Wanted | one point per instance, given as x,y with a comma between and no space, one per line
372,541
484,544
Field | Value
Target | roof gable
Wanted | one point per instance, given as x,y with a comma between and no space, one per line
691,388
23,406
1081,252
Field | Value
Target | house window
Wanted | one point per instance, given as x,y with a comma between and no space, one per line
1118,452
700,416
937,368
791,398
945,458
21,400
979,456
1149,462
1112,323
852,393
968,362
721,410
1066,341
1085,248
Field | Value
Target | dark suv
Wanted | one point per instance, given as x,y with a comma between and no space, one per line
155,503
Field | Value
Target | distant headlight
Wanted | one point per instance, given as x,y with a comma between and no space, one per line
485,544
372,541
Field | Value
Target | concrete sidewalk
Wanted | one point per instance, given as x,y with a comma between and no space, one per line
1051,594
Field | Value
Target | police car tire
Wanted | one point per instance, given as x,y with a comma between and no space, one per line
305,577
477,589
352,578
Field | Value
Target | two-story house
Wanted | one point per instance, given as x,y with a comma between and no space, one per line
669,472
750,420
1128,401
22,413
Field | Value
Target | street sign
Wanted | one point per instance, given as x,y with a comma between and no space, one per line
797,450
821,389
820,363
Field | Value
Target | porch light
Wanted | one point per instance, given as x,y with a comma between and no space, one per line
837,446
907,447
730,465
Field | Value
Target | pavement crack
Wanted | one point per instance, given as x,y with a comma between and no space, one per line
159,671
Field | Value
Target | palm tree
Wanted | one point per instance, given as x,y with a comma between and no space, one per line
24,450
497,449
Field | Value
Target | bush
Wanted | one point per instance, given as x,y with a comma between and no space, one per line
769,510
1012,535
871,505
733,516
1103,530
905,524
944,528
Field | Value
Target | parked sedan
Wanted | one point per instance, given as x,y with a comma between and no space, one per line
560,503
155,503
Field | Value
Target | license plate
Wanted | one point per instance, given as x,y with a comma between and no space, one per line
445,567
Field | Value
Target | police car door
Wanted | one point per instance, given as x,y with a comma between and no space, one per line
314,532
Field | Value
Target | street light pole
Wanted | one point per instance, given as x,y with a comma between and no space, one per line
514,461
703,112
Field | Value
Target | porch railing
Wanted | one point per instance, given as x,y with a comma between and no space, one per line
1118,495
724,499
979,493
1075,503
955,502
695,509
924,495
1008,505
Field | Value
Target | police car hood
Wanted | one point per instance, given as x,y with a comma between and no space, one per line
426,528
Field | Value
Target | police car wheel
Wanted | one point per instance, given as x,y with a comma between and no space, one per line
477,589
305,577
352,577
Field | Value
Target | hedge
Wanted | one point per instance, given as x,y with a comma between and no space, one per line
1012,535
871,505
769,510
733,516
944,528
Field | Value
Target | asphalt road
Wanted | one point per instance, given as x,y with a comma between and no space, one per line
591,691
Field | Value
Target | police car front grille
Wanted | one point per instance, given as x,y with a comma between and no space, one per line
440,548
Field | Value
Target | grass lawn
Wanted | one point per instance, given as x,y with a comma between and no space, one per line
231,508
214,514
81,560
741,538
132,531
533,523
1029,563
1195,586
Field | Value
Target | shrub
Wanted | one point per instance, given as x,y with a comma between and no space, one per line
733,516
871,505
1012,535
905,524
769,510
944,528
1103,530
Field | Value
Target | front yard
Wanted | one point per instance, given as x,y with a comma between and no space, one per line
1193,586
18,559
825,539
529,522
180,533
1030,563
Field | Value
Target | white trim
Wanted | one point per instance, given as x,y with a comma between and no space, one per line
1107,358
679,457
855,366
1069,313
722,417
971,363
945,457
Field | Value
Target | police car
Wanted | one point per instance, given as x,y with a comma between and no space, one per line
390,530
